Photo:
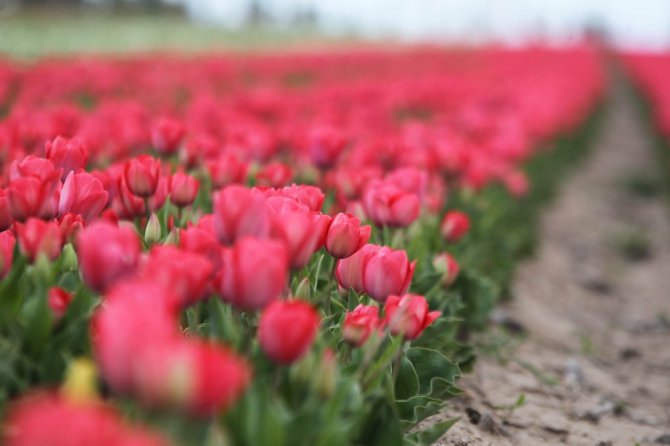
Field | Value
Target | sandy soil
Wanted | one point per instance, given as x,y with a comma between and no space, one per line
593,361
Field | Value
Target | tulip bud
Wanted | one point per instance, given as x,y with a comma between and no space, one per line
80,381
172,238
447,267
346,236
69,260
408,315
152,232
454,226
58,300
304,290
286,330
359,324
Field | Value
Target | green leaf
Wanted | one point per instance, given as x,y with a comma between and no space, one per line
430,435
407,381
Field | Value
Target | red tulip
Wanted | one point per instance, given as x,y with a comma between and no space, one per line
239,212
226,170
166,135
106,253
310,196
54,420
387,272
274,175
70,225
82,194
408,315
7,243
6,219
286,330
349,271
33,190
302,231
455,225
34,167
201,239
186,274
58,300
39,237
359,324
69,155
141,175
183,189
199,377
346,236
388,205
254,274
446,265
325,146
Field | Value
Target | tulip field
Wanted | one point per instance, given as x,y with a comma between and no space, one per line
285,249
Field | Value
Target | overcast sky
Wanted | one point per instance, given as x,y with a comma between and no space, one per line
632,23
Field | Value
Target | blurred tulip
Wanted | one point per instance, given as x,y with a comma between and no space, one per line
69,155
166,135
58,300
6,219
274,175
360,323
446,265
388,205
226,170
454,226
141,175
102,264
239,212
7,243
408,315
183,189
39,237
286,330
254,273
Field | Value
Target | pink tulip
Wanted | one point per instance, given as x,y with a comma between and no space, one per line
388,205
359,324
408,315
454,226
349,271
69,155
346,236
82,194
183,189
39,237
239,212
141,175
286,330
387,272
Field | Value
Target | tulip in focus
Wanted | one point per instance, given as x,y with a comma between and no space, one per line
387,272
408,315
455,226
346,236
82,194
359,324
107,253
286,330
349,271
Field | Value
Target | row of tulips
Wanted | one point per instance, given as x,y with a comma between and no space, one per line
262,250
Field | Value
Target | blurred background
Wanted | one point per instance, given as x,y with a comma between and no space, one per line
34,27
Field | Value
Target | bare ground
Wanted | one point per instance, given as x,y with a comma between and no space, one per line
593,363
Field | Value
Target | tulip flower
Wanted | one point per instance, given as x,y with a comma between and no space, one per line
349,271
6,219
58,300
55,420
254,273
454,226
69,155
166,135
107,253
186,274
183,189
302,231
201,239
408,315
359,324
286,330
7,243
239,212
39,237
325,145
274,175
141,175
388,205
446,265
34,188
346,236
226,170
70,225
82,194
387,271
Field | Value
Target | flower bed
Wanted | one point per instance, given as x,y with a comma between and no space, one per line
266,249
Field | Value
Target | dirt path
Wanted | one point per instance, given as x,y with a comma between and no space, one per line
594,363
